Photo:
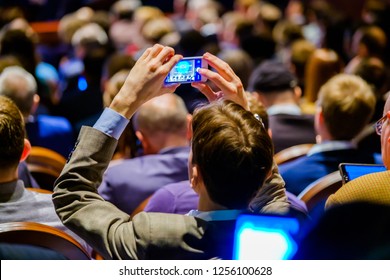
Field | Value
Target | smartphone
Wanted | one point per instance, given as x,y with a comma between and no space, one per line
265,237
186,71
350,171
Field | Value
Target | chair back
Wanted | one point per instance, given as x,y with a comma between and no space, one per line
45,236
321,189
141,206
45,166
292,153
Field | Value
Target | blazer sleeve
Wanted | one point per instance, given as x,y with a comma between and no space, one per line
107,229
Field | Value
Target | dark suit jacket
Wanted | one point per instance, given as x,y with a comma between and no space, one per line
110,231
291,130
299,173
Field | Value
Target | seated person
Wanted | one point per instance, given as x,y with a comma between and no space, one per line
372,188
161,125
180,198
344,107
231,156
52,132
277,88
16,203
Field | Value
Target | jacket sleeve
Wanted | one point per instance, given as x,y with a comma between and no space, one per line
107,229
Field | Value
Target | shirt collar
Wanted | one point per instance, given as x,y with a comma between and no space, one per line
218,215
290,109
327,146
11,191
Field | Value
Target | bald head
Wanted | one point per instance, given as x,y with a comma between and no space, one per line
162,118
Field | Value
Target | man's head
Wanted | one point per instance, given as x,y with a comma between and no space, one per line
345,105
273,83
13,146
232,154
162,122
21,87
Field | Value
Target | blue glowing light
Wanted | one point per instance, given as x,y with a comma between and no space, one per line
265,237
82,83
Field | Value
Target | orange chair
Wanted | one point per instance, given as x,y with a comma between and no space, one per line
39,190
141,206
42,236
321,189
292,153
45,166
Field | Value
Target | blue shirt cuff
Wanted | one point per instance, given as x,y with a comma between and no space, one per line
111,123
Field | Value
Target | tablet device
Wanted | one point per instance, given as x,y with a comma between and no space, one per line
350,171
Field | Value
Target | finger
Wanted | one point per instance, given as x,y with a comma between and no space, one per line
218,80
155,50
221,66
170,63
206,90
165,54
145,54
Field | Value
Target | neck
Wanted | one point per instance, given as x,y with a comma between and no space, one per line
8,175
206,204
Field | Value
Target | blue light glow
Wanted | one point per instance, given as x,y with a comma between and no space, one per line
265,237
82,83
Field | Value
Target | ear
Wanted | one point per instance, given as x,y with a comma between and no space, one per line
35,105
144,142
297,94
26,150
195,178
189,127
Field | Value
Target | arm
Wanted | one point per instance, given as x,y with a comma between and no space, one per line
75,197
271,197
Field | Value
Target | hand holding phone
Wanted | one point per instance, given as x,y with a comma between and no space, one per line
186,71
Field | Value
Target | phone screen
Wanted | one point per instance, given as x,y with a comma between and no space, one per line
353,171
185,71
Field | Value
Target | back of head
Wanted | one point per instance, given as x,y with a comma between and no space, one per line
347,103
233,152
321,66
240,62
374,38
11,134
20,86
164,114
272,77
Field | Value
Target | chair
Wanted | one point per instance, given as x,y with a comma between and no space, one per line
45,236
321,189
45,166
292,153
39,190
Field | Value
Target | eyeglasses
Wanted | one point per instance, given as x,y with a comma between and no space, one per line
379,124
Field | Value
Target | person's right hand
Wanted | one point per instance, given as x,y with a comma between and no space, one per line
146,80
225,79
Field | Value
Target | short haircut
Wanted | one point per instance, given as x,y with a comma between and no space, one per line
347,103
233,151
167,113
20,86
12,133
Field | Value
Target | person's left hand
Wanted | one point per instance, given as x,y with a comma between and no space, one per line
225,79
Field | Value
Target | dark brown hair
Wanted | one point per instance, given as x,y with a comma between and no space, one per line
233,152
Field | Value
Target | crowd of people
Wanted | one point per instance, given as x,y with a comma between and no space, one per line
196,155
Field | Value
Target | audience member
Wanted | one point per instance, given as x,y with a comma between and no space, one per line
344,107
367,41
18,204
277,88
230,159
161,126
180,198
52,132
373,187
